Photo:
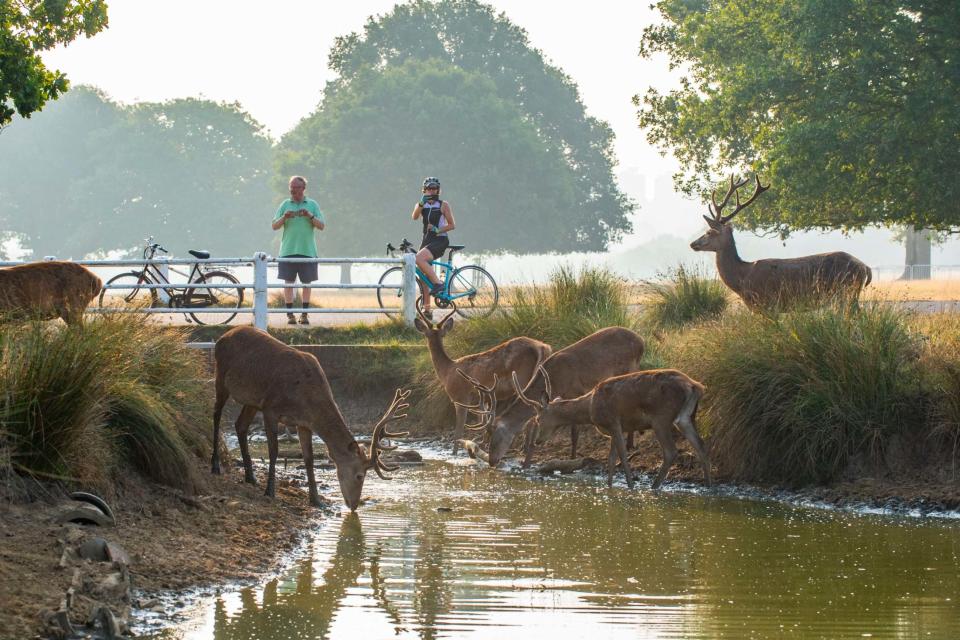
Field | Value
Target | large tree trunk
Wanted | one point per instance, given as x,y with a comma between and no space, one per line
917,262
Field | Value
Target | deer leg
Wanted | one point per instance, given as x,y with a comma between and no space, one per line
306,446
458,427
630,444
611,462
664,437
617,441
222,397
529,443
574,436
242,426
688,427
272,427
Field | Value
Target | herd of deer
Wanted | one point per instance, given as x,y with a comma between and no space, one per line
596,381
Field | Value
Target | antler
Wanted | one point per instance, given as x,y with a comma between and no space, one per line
380,431
428,321
486,408
734,189
546,382
516,386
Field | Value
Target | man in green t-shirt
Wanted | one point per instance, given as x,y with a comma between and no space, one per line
300,217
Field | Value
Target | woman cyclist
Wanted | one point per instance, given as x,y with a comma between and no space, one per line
437,219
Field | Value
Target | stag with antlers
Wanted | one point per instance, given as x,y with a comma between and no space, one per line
489,371
290,386
657,399
777,283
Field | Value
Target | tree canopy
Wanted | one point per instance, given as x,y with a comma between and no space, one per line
848,107
87,176
453,90
28,27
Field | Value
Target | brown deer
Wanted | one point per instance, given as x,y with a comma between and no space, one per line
290,386
491,367
657,399
773,283
48,290
573,371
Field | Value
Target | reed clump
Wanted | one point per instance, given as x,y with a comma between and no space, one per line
571,305
794,398
85,404
683,296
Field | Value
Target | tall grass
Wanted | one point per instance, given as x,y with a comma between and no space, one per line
683,296
91,402
571,305
794,398
940,364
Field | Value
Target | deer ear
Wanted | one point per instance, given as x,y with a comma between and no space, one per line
420,325
446,326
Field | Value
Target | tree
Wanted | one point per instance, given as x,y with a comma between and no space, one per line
848,107
28,27
449,88
88,176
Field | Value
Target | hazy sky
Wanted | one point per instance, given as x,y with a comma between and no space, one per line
272,58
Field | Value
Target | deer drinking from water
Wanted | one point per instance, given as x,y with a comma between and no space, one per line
48,290
290,386
489,369
772,282
573,371
657,399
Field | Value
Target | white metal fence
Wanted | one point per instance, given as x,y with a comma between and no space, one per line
260,286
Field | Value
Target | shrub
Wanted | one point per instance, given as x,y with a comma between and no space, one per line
685,296
793,398
84,403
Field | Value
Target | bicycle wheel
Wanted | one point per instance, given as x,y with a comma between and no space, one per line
225,296
474,291
131,295
391,297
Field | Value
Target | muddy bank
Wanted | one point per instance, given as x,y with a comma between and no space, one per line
230,532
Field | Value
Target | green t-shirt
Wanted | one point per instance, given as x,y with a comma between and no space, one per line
298,237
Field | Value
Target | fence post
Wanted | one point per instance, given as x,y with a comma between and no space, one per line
164,268
260,314
409,288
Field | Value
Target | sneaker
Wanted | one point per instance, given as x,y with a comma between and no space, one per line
429,315
291,319
436,289
304,319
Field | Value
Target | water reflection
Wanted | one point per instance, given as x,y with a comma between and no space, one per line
461,552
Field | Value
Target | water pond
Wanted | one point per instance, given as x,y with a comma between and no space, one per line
451,550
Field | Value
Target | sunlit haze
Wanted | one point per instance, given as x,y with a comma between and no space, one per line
272,59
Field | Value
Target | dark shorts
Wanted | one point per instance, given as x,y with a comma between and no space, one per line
436,244
288,271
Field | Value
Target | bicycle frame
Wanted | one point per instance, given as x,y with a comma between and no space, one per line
448,270
179,296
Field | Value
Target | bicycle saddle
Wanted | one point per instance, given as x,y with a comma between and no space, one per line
202,255
456,247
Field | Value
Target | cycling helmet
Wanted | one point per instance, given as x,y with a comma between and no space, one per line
431,182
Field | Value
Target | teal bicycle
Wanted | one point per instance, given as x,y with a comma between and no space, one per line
469,289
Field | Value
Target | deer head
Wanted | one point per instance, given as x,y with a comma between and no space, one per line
720,233
427,327
545,422
352,474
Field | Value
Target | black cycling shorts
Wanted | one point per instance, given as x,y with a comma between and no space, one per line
436,244
288,271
